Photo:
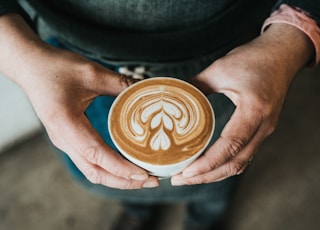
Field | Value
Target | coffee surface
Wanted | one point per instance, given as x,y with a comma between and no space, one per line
161,121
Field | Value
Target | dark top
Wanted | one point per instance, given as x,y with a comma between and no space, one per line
157,30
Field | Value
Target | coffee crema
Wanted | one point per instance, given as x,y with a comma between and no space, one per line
161,121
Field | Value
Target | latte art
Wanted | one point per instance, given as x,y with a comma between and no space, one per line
162,119
161,122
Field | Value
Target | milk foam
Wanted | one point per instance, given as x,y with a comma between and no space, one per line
160,118
163,119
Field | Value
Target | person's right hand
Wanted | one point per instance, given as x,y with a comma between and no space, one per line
60,85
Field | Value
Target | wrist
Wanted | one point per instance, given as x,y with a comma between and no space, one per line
18,45
300,19
278,54
282,48
293,47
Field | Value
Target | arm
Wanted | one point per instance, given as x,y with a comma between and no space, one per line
60,86
257,83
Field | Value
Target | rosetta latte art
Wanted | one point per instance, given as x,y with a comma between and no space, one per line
161,119
162,124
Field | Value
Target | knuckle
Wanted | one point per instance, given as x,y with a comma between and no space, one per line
219,68
125,80
210,161
205,179
264,105
272,126
235,168
195,180
234,145
92,175
264,108
89,72
89,69
266,113
260,109
130,185
91,154
198,180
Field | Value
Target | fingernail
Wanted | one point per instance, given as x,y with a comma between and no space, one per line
139,177
175,182
150,184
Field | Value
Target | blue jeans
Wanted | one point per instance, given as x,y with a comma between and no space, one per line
206,202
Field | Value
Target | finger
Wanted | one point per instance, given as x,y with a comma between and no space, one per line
237,164
97,152
234,138
88,144
97,175
233,166
106,82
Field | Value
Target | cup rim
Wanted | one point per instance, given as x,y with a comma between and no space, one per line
147,164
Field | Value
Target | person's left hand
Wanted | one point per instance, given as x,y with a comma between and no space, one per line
256,78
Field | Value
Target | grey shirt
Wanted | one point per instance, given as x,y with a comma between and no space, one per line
158,30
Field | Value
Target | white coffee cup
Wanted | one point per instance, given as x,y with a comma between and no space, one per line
161,124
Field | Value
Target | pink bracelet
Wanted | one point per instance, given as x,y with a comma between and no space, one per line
299,19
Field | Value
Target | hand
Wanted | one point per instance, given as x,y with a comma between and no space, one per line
256,77
60,86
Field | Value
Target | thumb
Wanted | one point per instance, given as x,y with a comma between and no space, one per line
108,82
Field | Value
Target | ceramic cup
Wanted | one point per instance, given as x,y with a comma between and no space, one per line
161,124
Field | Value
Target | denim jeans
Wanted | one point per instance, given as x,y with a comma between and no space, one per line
211,199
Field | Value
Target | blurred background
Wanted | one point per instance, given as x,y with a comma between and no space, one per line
280,190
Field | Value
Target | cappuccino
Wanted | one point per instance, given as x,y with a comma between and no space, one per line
161,121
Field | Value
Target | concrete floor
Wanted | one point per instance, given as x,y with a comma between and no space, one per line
280,190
